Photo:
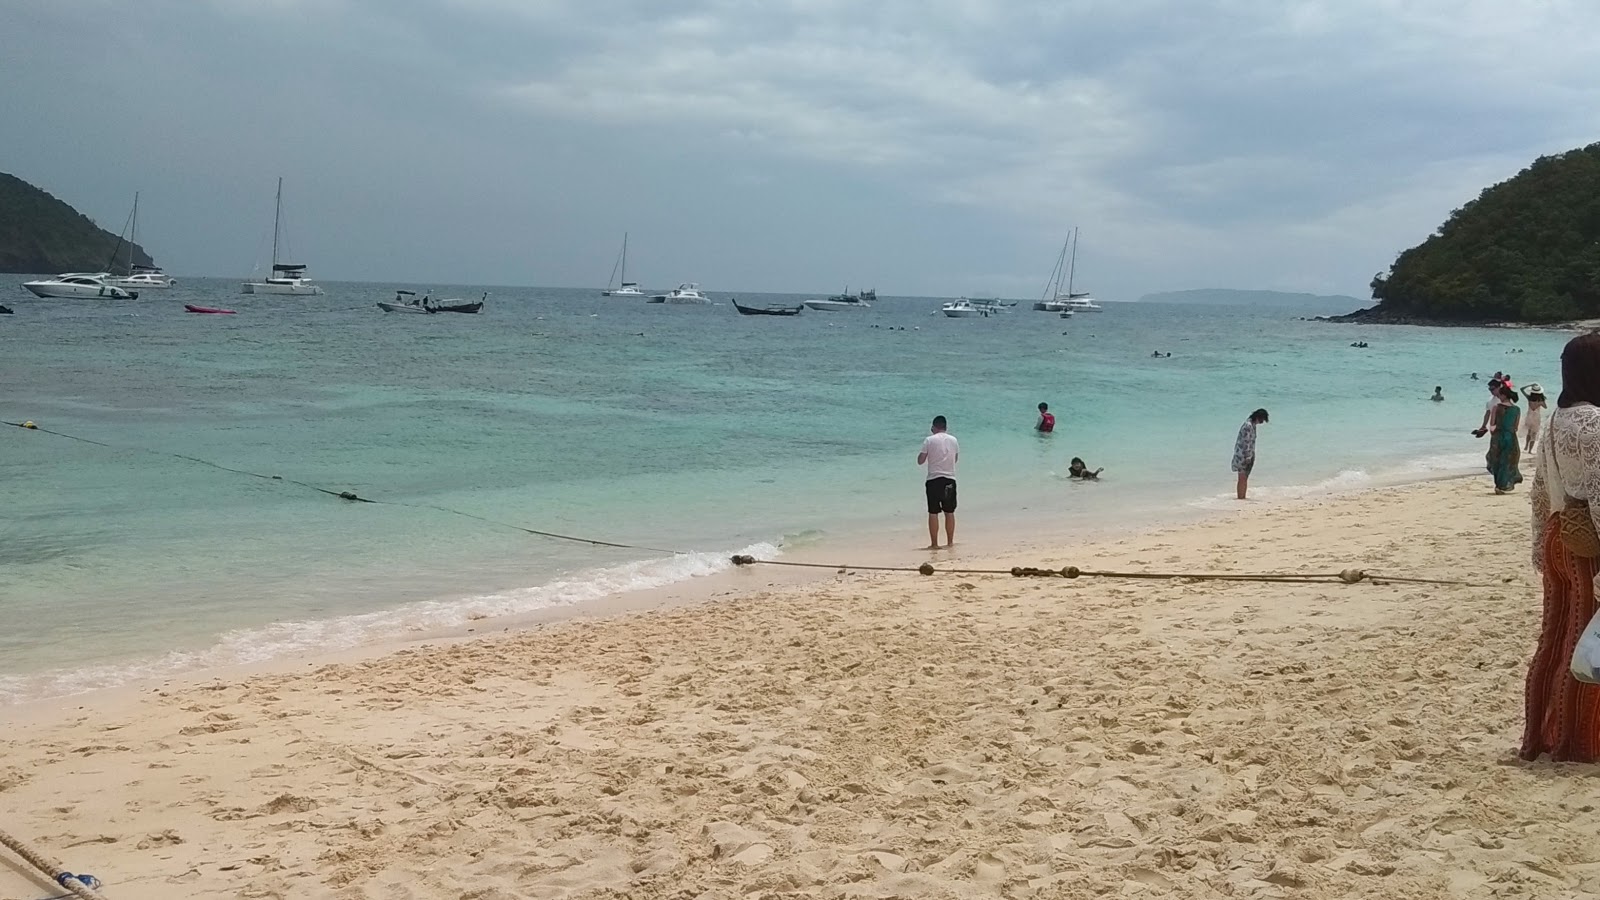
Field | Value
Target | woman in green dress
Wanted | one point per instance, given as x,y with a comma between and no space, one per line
1504,451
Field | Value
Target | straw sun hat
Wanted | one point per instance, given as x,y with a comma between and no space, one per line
1533,387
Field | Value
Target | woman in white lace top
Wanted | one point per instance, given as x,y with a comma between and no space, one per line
1563,714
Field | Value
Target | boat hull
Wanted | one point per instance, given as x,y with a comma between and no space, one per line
58,290
263,287
129,284
827,305
960,313
767,310
403,308
208,310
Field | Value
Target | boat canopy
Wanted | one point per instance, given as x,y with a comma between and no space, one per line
286,267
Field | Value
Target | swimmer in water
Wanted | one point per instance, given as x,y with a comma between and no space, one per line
1080,470
1438,394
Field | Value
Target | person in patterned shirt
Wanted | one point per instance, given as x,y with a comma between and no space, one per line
1244,449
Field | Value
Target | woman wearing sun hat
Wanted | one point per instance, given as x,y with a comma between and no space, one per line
1535,394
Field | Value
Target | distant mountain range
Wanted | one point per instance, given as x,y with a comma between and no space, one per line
1230,297
40,235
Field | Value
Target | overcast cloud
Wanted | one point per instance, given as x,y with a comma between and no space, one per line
930,147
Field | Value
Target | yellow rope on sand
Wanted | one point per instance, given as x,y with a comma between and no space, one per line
57,872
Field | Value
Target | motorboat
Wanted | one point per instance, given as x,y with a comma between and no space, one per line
685,293
989,305
626,288
768,310
428,306
135,276
286,278
144,278
961,309
846,300
1083,303
79,284
1067,314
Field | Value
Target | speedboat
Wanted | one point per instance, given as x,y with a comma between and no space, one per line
78,284
1083,303
961,309
145,277
686,293
1067,314
846,300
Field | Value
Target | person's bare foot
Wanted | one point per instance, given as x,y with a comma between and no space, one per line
931,547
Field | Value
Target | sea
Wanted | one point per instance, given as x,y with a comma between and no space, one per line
124,555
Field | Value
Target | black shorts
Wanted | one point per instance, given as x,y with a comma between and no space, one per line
941,495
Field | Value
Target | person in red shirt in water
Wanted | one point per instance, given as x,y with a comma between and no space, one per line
1047,422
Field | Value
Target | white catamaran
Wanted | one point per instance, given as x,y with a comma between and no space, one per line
626,288
286,278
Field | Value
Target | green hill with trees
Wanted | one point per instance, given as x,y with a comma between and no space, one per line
1526,250
40,235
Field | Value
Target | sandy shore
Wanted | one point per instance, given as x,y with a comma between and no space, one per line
879,736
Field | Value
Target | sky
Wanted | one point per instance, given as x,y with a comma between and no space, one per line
922,147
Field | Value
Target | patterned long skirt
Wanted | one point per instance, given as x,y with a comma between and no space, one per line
1563,712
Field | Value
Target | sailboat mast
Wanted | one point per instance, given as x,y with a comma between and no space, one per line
133,232
277,215
624,257
1072,269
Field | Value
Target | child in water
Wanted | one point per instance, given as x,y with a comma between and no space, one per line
1080,470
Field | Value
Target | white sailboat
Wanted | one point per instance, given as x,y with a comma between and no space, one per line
1069,301
286,278
626,288
137,276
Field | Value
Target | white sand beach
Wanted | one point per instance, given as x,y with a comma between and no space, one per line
879,736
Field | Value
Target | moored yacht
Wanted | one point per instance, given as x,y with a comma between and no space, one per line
286,278
961,309
137,276
626,288
846,300
143,277
78,284
685,293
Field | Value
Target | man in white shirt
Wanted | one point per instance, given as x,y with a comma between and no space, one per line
940,452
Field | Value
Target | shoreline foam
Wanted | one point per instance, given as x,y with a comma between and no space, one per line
653,581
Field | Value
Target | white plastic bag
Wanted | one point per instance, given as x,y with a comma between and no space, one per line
1586,656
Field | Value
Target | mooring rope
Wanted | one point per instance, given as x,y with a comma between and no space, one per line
83,885
1346,576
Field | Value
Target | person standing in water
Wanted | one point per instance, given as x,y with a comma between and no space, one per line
1438,394
1047,422
940,453
1244,450
1536,405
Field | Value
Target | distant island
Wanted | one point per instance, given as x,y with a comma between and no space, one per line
1229,297
1526,251
40,235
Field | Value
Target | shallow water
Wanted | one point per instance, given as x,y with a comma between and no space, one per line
679,427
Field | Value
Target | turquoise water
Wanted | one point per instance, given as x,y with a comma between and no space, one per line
688,428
